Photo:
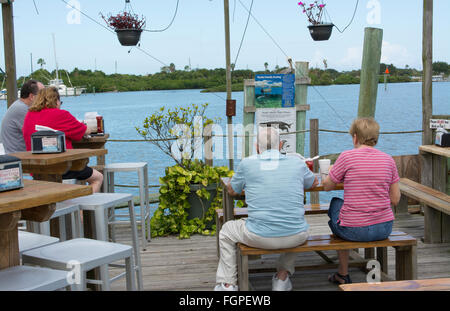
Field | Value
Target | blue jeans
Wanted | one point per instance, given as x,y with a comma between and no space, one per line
375,232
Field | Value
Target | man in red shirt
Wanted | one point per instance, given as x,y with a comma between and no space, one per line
46,111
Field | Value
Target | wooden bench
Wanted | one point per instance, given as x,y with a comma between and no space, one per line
412,285
242,212
405,254
436,209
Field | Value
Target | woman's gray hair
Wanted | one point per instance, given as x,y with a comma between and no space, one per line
268,138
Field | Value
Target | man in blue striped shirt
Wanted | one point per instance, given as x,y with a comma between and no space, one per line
274,190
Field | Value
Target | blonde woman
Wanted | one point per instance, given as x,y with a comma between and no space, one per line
370,180
46,111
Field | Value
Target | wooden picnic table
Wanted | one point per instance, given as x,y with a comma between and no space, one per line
435,168
435,175
36,201
228,199
51,166
93,142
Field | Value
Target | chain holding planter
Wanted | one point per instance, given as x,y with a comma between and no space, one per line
127,25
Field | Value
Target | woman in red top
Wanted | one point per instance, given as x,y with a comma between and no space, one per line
46,111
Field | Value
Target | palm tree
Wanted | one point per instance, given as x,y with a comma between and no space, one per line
266,65
41,62
172,67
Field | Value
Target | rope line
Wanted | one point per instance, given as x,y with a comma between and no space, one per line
252,135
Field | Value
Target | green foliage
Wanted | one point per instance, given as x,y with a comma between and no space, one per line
212,80
171,217
164,127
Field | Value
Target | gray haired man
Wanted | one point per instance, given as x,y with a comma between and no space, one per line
11,128
274,191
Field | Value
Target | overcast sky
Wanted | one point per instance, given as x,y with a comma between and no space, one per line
197,34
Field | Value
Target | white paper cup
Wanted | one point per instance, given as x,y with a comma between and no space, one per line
324,167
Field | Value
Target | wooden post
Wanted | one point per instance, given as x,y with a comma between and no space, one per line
373,38
427,90
208,144
228,79
249,117
301,95
427,61
10,52
313,151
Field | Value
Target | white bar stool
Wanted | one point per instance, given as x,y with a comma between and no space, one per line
142,169
81,255
29,241
25,278
100,204
62,209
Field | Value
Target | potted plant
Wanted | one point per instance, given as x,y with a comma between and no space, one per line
190,191
314,12
128,27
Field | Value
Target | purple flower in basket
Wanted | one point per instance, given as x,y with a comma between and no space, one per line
313,11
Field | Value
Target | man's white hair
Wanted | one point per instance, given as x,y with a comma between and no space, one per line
268,138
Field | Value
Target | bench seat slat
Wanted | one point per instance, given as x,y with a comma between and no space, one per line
426,195
329,242
410,285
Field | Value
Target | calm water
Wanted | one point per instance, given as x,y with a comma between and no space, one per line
398,109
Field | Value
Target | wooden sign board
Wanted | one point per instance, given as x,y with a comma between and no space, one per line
439,123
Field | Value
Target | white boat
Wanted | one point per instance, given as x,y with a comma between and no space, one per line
63,90
4,94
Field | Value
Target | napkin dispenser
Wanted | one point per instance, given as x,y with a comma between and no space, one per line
11,176
48,142
442,138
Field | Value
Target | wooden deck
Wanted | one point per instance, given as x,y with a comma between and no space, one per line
190,265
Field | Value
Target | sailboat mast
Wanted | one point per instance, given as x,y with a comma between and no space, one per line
56,61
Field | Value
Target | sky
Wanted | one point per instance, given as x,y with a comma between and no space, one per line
197,35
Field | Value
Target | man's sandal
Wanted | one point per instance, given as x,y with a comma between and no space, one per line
336,278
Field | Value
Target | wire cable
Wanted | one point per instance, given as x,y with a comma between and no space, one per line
110,30
262,27
243,35
301,72
171,22
351,21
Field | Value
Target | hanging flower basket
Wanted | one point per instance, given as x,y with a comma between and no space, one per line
314,12
129,37
320,32
127,26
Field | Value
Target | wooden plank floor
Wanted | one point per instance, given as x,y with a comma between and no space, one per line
190,265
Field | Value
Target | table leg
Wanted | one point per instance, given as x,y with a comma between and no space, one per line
432,225
9,240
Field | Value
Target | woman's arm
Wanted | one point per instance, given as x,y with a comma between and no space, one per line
328,184
394,194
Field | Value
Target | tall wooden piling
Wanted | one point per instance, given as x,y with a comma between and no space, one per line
373,39
427,90
10,52
427,81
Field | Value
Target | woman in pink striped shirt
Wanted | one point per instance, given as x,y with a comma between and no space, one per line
370,180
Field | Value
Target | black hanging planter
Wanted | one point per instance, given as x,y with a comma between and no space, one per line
320,32
129,37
